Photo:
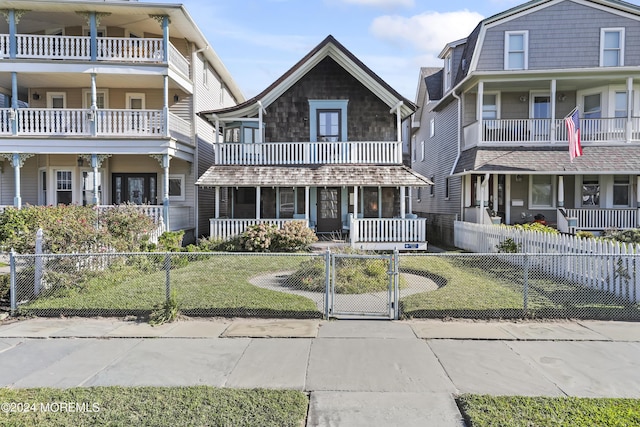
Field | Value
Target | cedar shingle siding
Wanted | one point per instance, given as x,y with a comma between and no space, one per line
368,117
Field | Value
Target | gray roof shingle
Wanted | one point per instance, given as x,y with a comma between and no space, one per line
320,176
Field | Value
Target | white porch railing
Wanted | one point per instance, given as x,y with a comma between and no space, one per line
50,121
178,61
602,219
4,45
53,47
5,121
130,122
179,128
385,230
228,228
589,262
130,49
545,131
295,153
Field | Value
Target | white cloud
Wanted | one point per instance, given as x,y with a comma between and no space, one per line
427,32
382,3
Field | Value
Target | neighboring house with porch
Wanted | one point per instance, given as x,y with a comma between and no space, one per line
489,129
98,104
323,144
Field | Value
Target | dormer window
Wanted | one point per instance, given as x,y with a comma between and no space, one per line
516,44
447,72
612,47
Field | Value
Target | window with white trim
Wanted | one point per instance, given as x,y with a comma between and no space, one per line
64,187
177,187
490,106
447,183
422,149
541,191
612,47
102,98
591,190
516,50
447,72
432,128
621,190
56,100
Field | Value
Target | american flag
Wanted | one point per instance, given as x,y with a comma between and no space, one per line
573,131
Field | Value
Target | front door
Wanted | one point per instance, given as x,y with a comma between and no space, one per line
329,211
137,189
541,113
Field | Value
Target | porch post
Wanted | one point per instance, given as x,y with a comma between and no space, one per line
216,213
552,128
306,203
355,201
479,190
165,39
410,201
257,202
494,205
93,32
96,181
479,102
560,191
165,106
629,126
17,164
13,42
94,105
403,208
277,202
638,191
165,198
379,202
14,103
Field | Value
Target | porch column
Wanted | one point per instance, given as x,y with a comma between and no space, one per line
17,200
216,208
14,103
277,202
410,201
165,105
560,191
494,205
306,203
165,38
165,197
638,191
355,201
96,181
13,42
94,105
479,110
403,208
260,121
93,32
257,202
629,127
553,112
479,190
379,202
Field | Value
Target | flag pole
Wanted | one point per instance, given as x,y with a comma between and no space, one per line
572,111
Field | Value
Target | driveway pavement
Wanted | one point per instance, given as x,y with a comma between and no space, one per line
357,373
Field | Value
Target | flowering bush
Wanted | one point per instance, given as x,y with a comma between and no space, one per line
257,238
294,236
73,228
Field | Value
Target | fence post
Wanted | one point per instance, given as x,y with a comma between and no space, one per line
396,284
167,269
327,270
37,282
12,285
526,284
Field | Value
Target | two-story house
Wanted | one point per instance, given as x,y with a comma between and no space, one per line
490,127
98,106
323,143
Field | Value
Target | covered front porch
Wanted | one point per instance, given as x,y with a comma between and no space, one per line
349,207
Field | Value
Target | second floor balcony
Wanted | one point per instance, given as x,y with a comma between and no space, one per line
600,131
47,122
309,153
107,49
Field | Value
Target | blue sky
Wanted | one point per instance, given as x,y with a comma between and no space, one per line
258,40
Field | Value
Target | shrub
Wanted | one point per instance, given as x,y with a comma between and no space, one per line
128,226
585,234
171,241
168,312
294,236
624,236
536,226
508,246
257,238
5,285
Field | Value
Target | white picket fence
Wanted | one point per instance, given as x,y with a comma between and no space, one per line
605,265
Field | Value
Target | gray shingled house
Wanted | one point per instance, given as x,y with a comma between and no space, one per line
490,130
322,144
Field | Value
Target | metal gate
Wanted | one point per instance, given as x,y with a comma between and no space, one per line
362,286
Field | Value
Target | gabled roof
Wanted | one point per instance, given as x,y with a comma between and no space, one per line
331,48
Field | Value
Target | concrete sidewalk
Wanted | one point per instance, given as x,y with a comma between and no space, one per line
357,372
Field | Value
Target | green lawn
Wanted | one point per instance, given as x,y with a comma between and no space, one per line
154,406
518,411
207,285
486,287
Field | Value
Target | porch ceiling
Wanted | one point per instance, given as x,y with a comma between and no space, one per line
315,176
611,159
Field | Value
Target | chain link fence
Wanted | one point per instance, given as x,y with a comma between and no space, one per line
481,286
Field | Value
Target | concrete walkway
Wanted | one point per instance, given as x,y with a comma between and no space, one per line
357,373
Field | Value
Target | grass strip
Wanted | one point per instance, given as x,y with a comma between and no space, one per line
153,406
519,411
